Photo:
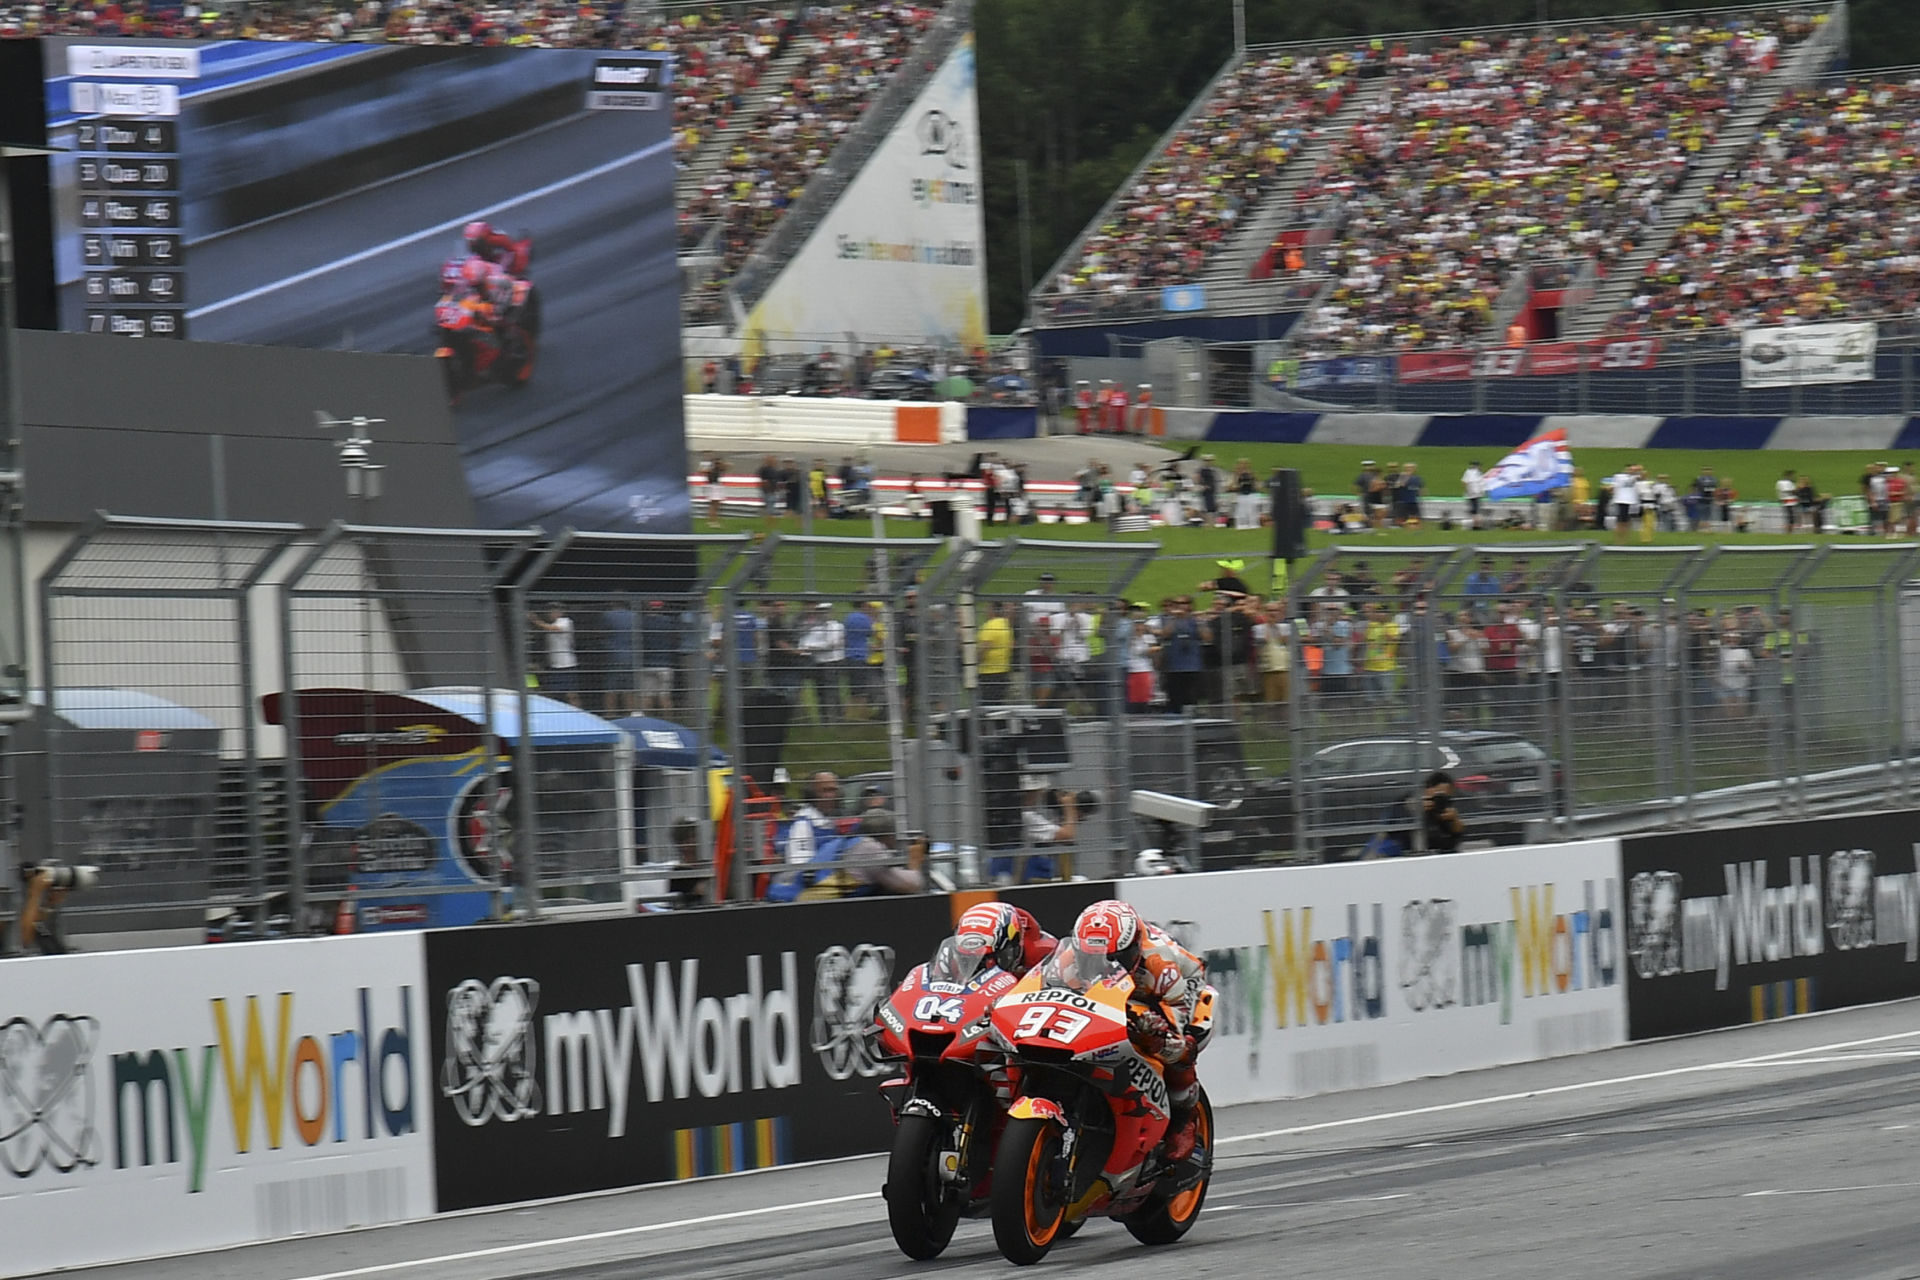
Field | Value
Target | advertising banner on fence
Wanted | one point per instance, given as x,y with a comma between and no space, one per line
579,1056
1345,371
1790,918
901,253
1435,366
1340,977
1538,360
1808,353
165,1101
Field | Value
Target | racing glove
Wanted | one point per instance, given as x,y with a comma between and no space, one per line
1151,1032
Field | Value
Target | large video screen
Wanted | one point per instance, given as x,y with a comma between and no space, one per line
507,211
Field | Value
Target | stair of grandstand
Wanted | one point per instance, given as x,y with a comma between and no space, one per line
1813,57
767,226
1240,141
699,164
1279,208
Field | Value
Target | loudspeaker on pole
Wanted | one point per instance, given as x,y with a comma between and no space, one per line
1289,516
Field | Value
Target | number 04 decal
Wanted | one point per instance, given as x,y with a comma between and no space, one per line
1066,1024
934,1009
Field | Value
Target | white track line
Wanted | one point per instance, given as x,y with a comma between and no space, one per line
353,259
1550,1091
471,1255
350,192
528,1246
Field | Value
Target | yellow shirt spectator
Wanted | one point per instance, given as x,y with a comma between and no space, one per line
996,647
1382,645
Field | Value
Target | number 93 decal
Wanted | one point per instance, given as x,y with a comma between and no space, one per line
1052,1022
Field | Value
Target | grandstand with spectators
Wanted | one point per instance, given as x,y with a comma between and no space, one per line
1460,192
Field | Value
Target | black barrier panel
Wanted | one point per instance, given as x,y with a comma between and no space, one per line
579,1056
1729,927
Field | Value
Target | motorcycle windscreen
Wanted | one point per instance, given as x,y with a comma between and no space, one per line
1073,968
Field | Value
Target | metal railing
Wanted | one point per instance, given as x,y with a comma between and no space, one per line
257,728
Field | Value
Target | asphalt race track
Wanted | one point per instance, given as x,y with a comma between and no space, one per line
1776,1152
362,271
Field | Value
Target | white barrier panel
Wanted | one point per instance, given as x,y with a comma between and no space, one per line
156,1102
1368,973
774,421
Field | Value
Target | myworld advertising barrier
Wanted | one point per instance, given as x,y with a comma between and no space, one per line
169,1101
586,1055
1785,918
1342,977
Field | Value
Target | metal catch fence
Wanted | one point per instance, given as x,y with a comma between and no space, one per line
257,728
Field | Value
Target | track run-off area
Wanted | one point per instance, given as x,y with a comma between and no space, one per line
1784,1150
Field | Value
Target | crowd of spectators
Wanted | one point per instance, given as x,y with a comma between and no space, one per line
1818,222
1187,200
848,54
1488,152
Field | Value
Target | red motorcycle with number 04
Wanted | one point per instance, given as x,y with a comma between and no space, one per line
949,1101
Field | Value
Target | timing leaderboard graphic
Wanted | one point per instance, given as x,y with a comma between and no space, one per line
126,170
508,212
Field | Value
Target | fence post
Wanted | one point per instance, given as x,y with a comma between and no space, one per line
250,734
526,798
1794,692
1895,634
292,785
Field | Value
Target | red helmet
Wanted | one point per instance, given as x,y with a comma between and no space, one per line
475,272
1111,928
478,233
992,929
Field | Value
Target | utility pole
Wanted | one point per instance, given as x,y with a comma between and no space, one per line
1240,25
1026,228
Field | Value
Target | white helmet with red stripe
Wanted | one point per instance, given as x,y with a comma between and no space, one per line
1110,928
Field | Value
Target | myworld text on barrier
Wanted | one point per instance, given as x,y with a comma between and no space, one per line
167,1101
1367,973
1792,917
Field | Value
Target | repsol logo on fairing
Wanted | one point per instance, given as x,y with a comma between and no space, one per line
686,1043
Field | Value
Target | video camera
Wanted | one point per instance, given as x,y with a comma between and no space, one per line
1086,801
46,885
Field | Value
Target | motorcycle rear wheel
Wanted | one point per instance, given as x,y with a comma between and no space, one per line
1166,1218
1029,1212
921,1209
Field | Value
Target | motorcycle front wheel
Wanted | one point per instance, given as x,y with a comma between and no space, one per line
1165,1218
921,1208
1029,1207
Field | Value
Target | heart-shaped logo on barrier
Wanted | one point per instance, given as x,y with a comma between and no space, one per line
46,1094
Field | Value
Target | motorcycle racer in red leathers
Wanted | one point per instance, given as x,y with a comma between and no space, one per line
1011,937
1174,1014
510,255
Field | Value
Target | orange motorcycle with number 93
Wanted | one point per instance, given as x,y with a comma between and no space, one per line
1084,1135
